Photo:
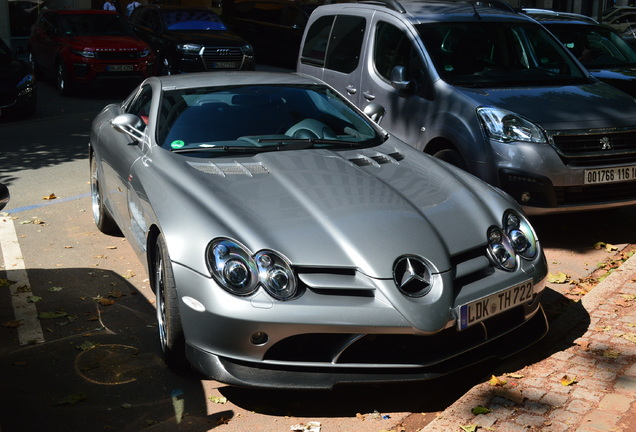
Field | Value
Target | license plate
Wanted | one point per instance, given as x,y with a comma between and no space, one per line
120,68
226,65
479,310
610,175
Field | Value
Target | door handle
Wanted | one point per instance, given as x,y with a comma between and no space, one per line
368,96
351,89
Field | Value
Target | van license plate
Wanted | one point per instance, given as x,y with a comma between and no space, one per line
610,175
482,309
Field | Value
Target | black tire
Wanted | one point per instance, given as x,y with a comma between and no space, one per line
102,217
171,334
64,86
452,157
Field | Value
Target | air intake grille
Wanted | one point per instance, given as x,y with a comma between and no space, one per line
250,169
594,148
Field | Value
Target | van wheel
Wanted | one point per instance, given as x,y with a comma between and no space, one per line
452,157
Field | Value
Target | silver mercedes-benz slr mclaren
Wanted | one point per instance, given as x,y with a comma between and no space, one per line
293,243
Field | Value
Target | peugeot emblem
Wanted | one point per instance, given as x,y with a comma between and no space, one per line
606,143
412,276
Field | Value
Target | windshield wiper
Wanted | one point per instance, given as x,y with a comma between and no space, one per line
311,141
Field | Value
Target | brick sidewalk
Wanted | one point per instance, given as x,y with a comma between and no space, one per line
587,385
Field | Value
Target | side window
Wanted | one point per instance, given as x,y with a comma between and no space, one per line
394,48
267,12
140,106
345,43
315,49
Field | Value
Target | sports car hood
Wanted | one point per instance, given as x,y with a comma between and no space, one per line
593,105
360,209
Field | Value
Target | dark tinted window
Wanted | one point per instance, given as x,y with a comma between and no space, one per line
93,25
315,48
192,20
345,44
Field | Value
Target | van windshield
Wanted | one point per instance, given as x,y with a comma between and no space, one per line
497,54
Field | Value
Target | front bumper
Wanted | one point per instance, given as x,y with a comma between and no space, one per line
81,71
327,338
544,180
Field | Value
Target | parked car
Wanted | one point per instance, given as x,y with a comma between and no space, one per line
86,47
616,11
273,27
487,89
621,22
190,39
291,242
4,195
600,49
550,14
18,90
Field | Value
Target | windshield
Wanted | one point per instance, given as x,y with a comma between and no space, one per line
595,47
498,54
261,118
192,20
93,25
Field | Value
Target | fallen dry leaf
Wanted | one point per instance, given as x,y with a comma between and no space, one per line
49,197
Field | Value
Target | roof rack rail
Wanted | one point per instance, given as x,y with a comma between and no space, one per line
397,6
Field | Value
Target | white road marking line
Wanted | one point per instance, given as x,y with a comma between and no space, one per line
29,330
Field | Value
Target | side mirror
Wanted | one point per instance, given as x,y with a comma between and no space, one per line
128,124
4,195
398,78
375,112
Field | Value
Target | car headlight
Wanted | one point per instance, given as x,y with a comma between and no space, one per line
248,50
189,48
276,275
515,239
522,237
26,82
235,269
84,53
144,53
506,126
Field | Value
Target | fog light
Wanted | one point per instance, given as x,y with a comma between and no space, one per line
259,338
525,197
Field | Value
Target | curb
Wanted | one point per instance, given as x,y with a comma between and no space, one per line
459,413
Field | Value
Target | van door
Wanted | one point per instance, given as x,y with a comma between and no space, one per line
394,45
333,51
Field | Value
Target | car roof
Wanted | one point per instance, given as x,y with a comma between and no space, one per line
232,78
561,17
425,11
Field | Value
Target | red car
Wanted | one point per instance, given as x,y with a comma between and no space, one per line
84,46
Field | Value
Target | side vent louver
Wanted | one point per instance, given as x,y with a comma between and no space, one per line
376,159
248,169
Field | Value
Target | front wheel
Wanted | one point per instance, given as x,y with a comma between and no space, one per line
171,334
102,217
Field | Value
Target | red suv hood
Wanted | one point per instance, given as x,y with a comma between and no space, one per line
109,43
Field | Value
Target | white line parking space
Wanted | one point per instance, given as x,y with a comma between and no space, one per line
29,330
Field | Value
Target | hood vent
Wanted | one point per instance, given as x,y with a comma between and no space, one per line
235,168
376,159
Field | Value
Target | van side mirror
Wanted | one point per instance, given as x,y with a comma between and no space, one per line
398,79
